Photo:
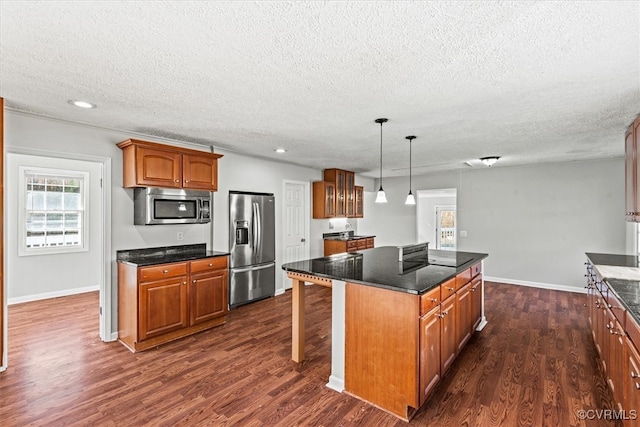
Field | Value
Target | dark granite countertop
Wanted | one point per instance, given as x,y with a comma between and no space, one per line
165,254
627,291
380,267
345,236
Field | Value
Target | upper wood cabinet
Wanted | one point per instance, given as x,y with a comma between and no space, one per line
343,195
632,196
149,164
359,201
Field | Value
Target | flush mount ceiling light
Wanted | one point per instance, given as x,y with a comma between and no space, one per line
280,150
410,199
81,104
489,160
381,197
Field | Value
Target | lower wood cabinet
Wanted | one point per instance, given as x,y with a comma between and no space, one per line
161,303
332,247
398,335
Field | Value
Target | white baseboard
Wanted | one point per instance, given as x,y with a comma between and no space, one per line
113,337
336,384
56,294
551,286
279,292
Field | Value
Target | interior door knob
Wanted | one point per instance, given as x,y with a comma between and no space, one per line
303,240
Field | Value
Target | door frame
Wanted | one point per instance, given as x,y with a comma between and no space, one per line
307,223
105,231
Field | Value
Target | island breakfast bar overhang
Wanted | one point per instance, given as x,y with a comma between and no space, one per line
384,348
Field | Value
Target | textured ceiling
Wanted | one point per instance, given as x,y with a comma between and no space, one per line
531,81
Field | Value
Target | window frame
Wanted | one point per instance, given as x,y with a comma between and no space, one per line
84,177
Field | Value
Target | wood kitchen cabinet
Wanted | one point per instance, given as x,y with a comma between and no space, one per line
332,247
632,174
337,201
464,311
631,375
164,302
359,201
324,199
149,164
430,335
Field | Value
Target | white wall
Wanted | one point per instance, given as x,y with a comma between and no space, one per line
535,222
236,172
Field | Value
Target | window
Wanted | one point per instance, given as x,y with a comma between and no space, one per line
52,203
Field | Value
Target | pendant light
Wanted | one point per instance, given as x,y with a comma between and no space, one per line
381,197
410,199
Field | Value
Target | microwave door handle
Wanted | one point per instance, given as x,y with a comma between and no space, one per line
199,210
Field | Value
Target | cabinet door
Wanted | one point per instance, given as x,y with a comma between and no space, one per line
324,199
448,341
163,307
341,202
631,378
476,302
158,168
359,201
208,296
429,352
200,172
350,194
464,322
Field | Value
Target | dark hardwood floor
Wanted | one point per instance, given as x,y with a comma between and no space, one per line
533,365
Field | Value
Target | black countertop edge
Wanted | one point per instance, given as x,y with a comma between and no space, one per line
415,281
166,254
345,236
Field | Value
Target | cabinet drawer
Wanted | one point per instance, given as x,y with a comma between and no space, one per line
448,288
209,264
161,271
616,308
429,300
352,244
476,269
370,242
362,243
463,278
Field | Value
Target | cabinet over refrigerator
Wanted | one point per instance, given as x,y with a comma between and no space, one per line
251,246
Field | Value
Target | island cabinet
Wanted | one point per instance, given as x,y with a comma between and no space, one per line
398,346
149,164
164,302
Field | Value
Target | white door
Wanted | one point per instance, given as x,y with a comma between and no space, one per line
295,224
33,276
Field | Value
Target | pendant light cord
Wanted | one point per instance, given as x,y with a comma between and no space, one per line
381,154
410,144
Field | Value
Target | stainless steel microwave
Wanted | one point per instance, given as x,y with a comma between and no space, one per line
170,206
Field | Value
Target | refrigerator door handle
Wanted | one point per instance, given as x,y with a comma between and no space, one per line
245,269
259,228
254,231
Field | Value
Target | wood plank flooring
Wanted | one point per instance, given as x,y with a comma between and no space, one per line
533,365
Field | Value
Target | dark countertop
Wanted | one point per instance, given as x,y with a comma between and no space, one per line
380,267
344,236
166,254
627,291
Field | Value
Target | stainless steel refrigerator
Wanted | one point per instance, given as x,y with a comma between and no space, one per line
252,245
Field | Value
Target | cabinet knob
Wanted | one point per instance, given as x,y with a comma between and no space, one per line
194,281
186,181
177,180
165,271
452,289
184,283
637,386
634,375
434,300
210,265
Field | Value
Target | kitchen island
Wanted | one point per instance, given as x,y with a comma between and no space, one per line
396,325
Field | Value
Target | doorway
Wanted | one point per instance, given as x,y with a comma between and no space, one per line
436,216
295,225
33,275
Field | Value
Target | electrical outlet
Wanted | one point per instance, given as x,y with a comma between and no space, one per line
463,233
180,235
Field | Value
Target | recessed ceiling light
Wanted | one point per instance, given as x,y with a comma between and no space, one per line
280,150
81,104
